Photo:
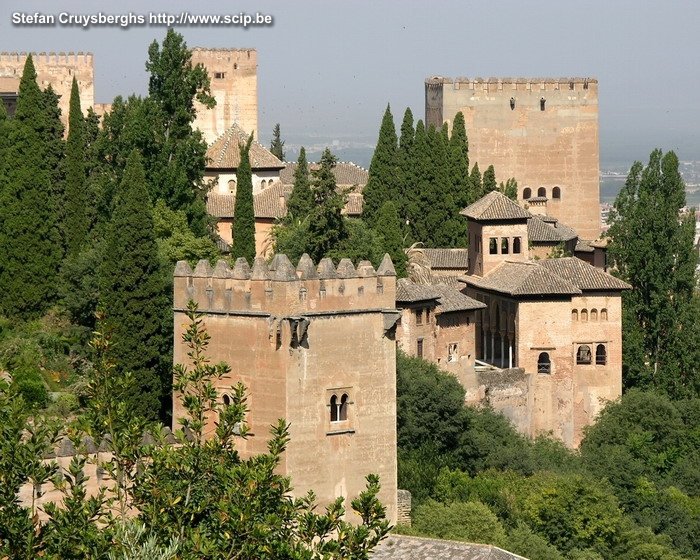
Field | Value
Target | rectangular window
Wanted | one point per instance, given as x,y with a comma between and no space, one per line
452,353
219,75
419,316
516,245
493,246
419,348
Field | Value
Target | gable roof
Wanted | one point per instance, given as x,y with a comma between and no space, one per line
447,258
524,279
451,299
495,206
410,292
224,152
583,275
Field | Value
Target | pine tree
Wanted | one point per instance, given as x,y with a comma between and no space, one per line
326,225
381,183
277,144
30,244
133,294
389,227
244,211
651,247
301,201
76,199
176,152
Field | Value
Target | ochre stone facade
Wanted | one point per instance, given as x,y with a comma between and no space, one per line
314,346
543,132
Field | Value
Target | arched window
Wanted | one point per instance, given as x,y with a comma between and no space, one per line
343,410
583,355
542,192
603,314
574,314
516,245
493,246
263,184
584,315
527,193
543,101
226,399
544,365
232,186
601,355
594,314
335,408
556,193
504,245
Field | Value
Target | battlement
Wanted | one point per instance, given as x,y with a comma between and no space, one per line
279,288
57,59
494,85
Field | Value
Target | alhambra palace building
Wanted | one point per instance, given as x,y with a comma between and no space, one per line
537,338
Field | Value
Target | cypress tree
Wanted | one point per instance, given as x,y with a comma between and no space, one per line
326,225
381,183
76,200
414,205
277,144
489,181
301,201
30,244
459,162
475,182
244,211
406,171
133,294
389,227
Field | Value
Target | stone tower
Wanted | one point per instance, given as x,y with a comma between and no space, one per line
315,346
543,132
234,85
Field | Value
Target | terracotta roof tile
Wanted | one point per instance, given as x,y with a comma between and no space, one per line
546,229
524,279
495,206
399,547
346,174
447,258
583,275
224,152
454,300
409,292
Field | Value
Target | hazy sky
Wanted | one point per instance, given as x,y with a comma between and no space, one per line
327,68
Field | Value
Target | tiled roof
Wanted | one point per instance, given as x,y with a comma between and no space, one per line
583,246
224,152
583,275
409,292
524,279
447,258
495,206
546,229
353,207
454,300
346,174
537,199
399,547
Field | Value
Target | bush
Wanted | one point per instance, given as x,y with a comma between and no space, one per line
459,521
35,393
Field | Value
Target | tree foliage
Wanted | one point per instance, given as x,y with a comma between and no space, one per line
244,211
277,144
301,201
382,181
651,247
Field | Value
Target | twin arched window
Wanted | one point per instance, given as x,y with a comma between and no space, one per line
339,408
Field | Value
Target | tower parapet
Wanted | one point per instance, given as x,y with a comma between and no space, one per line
280,288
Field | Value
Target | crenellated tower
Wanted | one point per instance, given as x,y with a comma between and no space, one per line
314,345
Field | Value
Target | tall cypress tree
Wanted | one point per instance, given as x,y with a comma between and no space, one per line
381,183
133,293
652,247
488,182
406,170
277,144
326,226
30,244
459,162
76,199
475,182
244,211
389,227
301,201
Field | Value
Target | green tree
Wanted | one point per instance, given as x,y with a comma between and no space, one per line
459,521
652,247
176,151
476,182
509,188
244,211
30,244
389,227
133,294
381,183
459,161
277,144
489,180
301,201
326,224
76,199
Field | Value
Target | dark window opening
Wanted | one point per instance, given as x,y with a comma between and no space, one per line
504,245
339,408
493,246
583,355
556,193
512,103
527,193
542,192
516,245
419,348
601,356
219,75
419,316
543,101
544,364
